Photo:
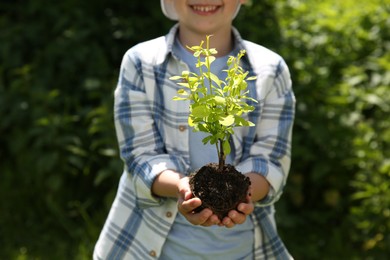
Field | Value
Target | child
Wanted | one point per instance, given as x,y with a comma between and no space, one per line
152,216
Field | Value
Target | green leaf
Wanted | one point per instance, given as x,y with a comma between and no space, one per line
250,123
195,48
186,85
200,111
209,59
193,79
176,78
220,100
242,122
176,98
202,127
247,108
207,139
215,79
226,147
190,122
197,53
182,92
213,51
218,91
227,120
213,139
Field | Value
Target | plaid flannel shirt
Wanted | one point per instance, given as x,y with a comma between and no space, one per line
152,132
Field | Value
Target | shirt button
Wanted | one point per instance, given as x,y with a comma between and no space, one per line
152,253
168,214
182,128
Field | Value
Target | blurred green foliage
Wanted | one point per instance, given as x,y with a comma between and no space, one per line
59,162
338,194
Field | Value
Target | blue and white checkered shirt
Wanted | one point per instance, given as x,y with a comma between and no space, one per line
152,133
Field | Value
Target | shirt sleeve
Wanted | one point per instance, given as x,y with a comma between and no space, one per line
270,151
141,145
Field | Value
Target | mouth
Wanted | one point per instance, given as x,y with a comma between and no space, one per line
205,9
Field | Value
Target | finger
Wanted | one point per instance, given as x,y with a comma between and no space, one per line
227,222
199,218
188,206
248,207
212,220
245,208
184,189
236,217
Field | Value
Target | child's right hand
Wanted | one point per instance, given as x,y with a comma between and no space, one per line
187,203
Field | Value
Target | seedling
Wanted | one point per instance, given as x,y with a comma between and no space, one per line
219,108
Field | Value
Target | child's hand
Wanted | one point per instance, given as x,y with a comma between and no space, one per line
238,216
187,203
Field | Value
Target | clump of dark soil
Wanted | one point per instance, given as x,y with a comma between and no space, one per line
221,191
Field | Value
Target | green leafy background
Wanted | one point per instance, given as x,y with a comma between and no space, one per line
59,164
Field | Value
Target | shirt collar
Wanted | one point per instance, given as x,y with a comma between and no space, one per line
170,39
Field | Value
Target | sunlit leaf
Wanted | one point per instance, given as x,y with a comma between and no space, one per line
220,100
227,121
200,111
175,78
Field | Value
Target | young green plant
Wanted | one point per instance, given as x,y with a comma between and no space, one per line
216,106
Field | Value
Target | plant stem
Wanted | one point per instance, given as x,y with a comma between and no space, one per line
221,155
208,63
